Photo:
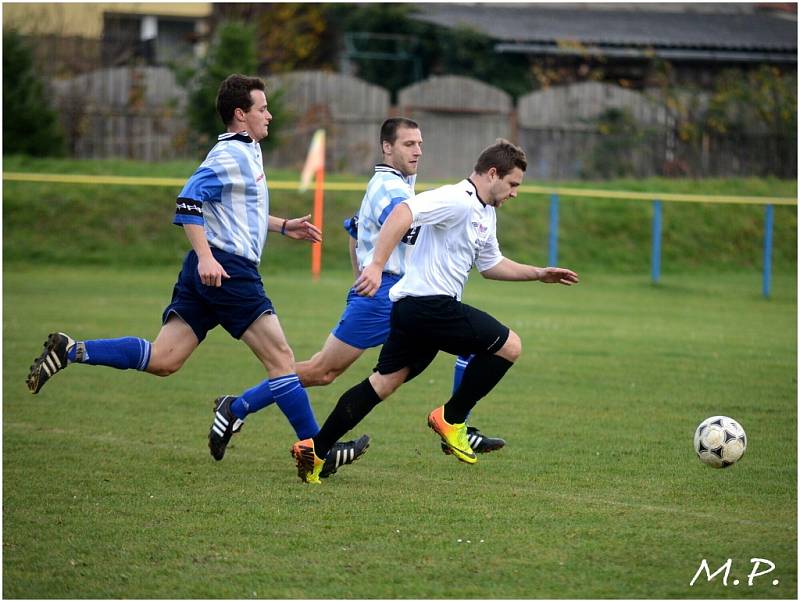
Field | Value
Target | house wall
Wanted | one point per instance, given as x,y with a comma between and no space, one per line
86,19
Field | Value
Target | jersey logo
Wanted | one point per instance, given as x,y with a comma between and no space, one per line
480,228
410,237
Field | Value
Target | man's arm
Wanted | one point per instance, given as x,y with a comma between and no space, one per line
211,272
392,231
352,242
511,270
299,228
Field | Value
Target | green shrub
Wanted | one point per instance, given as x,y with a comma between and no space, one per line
30,125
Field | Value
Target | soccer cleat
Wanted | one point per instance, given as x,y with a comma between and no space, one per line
224,426
52,360
344,452
309,466
480,443
454,436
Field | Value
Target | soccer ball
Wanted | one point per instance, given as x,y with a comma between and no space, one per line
719,441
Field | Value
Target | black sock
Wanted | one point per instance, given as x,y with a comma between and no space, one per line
351,408
480,377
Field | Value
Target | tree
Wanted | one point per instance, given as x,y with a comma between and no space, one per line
290,36
390,48
30,125
233,50
761,102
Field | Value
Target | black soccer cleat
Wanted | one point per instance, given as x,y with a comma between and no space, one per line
53,359
224,426
480,443
344,452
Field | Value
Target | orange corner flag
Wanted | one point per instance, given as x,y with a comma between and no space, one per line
315,161
315,165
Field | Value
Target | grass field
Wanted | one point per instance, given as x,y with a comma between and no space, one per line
109,490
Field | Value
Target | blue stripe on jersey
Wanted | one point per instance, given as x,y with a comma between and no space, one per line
392,204
232,187
385,190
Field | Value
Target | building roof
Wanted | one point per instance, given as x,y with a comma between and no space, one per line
626,29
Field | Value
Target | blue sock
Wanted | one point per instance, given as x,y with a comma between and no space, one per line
462,361
254,399
458,372
124,353
293,401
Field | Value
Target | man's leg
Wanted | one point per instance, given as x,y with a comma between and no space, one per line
328,363
322,369
266,339
462,361
174,344
481,376
481,444
334,358
352,407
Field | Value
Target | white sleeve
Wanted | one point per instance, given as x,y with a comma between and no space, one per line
490,255
436,207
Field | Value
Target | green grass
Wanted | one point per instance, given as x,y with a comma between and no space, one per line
109,490
130,225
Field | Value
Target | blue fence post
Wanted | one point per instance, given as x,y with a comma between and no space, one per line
552,247
655,256
768,219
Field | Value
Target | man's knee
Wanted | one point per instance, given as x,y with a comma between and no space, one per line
164,366
386,384
512,348
313,374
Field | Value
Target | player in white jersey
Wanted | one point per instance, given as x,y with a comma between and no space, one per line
458,230
365,321
224,211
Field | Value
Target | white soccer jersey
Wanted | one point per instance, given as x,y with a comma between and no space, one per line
386,189
228,195
457,231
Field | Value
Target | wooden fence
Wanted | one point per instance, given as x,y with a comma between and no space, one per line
123,112
584,130
559,129
350,110
458,117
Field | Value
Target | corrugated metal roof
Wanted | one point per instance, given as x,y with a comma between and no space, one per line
625,26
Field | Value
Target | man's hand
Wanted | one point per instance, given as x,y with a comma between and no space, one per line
301,228
211,272
369,281
558,276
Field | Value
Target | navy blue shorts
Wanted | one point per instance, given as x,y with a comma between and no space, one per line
235,305
365,320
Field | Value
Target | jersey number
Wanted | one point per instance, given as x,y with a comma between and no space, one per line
410,237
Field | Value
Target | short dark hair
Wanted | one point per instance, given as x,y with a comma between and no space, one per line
234,93
503,156
391,125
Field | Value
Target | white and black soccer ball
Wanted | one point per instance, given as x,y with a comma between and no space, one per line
720,441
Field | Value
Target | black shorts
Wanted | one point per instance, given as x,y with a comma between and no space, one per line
423,326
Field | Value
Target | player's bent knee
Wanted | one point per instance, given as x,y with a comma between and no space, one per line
160,368
386,384
512,348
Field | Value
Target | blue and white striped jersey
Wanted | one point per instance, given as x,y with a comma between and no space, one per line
386,189
228,195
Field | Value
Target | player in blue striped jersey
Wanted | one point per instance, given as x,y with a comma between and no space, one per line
365,321
224,211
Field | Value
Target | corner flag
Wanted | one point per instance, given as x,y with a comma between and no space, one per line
315,164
